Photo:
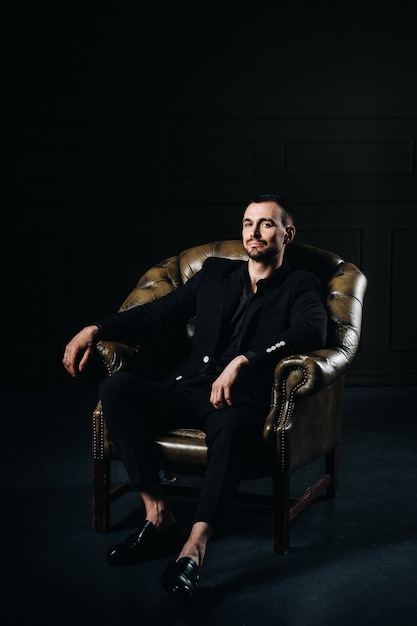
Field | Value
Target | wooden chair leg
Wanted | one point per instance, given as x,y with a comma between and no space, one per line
332,469
281,513
101,495
104,495
286,509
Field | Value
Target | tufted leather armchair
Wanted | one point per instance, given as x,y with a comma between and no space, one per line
304,419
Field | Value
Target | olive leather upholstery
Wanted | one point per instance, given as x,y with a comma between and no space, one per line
304,419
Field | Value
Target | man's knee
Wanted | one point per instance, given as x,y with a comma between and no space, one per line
114,387
222,424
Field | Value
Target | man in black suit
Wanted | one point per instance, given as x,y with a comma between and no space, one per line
248,316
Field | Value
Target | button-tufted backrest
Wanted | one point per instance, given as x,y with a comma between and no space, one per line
341,281
343,288
191,260
342,284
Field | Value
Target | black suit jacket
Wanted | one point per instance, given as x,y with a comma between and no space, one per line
286,316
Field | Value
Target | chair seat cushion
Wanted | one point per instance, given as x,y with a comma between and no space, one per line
182,448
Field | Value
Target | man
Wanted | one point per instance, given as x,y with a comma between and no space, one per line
249,315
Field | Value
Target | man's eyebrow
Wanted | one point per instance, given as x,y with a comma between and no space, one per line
261,219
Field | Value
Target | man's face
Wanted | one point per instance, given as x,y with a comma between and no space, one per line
263,233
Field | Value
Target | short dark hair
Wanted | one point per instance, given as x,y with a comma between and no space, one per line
287,216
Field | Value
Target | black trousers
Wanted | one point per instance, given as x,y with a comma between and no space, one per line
136,409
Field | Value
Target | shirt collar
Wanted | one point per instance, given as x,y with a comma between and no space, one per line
277,276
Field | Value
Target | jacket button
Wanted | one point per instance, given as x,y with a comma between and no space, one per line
206,359
178,377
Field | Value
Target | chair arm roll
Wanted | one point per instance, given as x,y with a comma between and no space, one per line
305,374
117,356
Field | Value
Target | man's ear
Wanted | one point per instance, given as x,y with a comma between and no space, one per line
290,234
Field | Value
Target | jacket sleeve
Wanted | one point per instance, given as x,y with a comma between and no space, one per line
302,330
166,313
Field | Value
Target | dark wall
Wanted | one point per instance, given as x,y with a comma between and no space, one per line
136,133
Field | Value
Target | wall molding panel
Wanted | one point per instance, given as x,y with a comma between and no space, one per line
129,193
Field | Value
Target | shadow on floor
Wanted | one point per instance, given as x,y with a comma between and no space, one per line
352,559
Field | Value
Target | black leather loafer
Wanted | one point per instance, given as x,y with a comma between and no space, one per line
180,579
145,544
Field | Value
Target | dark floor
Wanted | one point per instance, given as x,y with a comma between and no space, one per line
353,560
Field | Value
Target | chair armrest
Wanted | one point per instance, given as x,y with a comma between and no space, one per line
304,420
117,356
307,373
302,375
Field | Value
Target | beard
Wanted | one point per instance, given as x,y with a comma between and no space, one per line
263,254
